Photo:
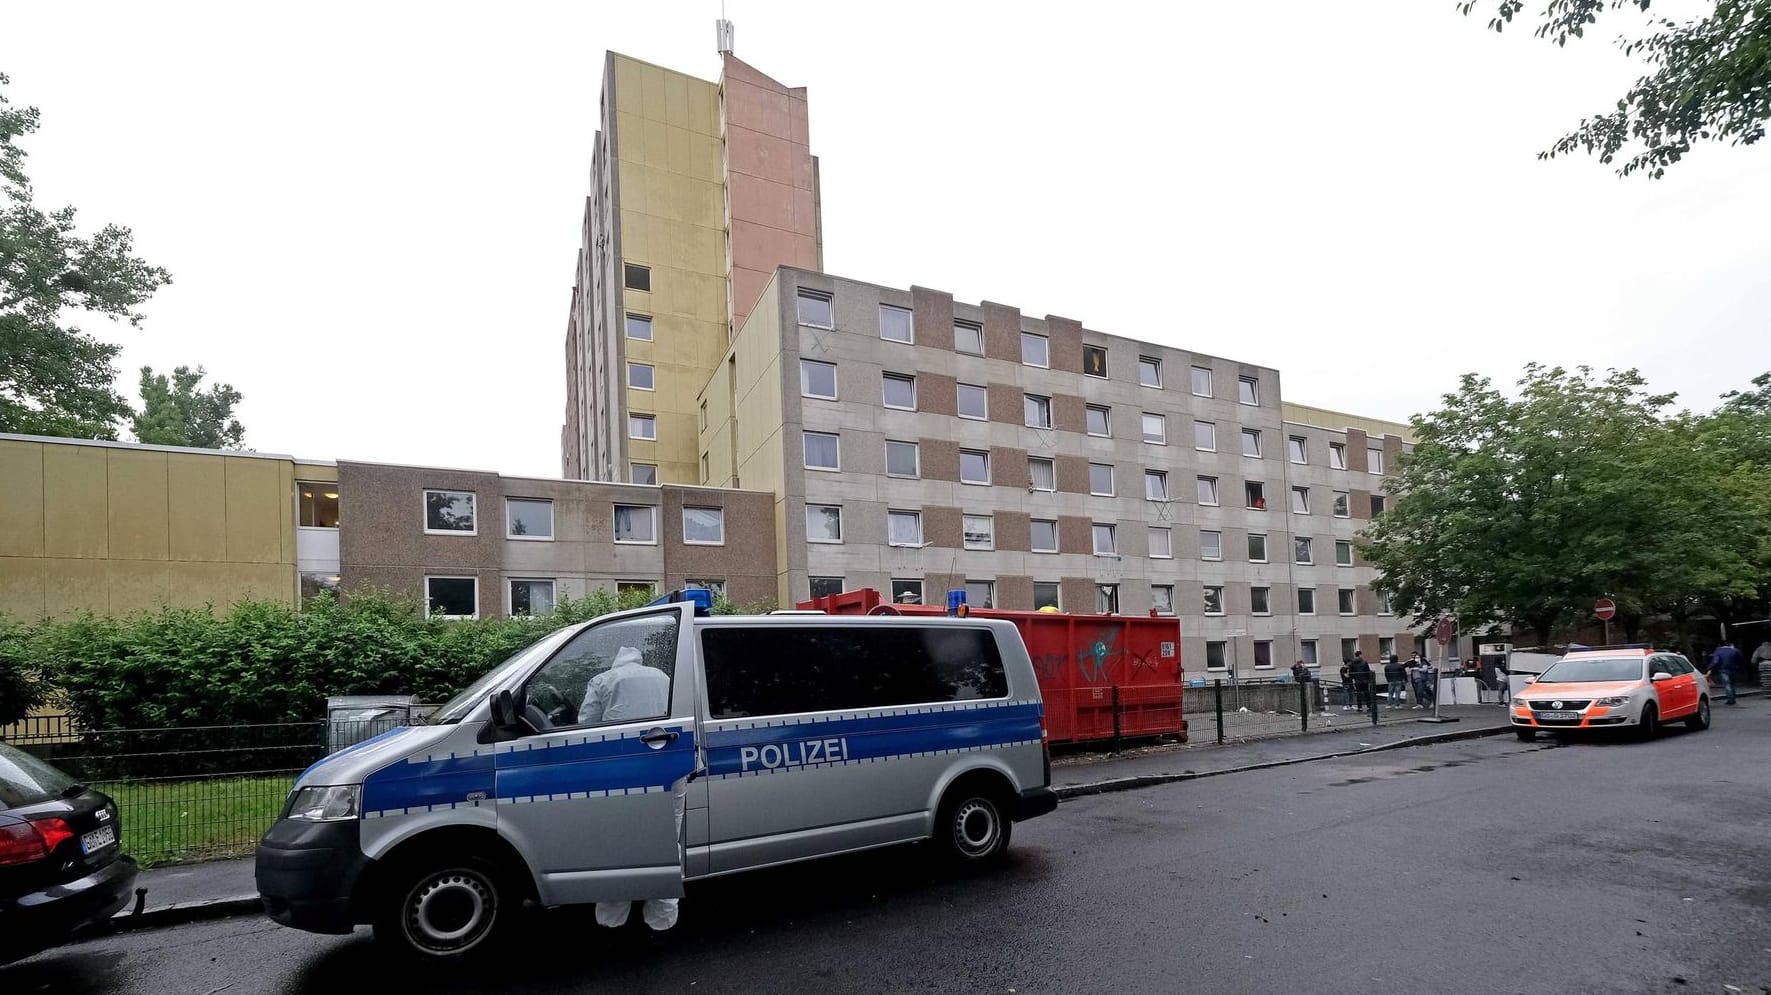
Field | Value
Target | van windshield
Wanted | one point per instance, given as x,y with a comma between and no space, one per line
456,708
1594,671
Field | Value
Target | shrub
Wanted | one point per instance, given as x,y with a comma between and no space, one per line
21,686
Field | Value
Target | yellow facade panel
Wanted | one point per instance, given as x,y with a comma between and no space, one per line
704,109
21,587
71,586
652,102
628,91
255,490
74,514
136,585
196,516
21,498
137,480
676,100
317,472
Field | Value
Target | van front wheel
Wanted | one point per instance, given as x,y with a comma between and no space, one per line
972,828
444,911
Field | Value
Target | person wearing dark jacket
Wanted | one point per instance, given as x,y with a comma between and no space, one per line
1360,670
1397,676
1722,666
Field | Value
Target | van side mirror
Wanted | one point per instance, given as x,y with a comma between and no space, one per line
504,711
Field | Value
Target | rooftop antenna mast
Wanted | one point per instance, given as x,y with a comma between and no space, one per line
723,30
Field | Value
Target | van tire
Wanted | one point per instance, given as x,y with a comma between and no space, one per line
1700,719
972,826
440,909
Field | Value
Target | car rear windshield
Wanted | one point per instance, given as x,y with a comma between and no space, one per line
1594,671
25,780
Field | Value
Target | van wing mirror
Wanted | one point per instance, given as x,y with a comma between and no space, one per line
504,711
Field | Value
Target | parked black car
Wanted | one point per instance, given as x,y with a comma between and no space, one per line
61,863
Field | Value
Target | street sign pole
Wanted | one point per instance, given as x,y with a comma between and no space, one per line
1444,632
1603,609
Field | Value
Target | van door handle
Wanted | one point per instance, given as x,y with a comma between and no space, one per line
658,737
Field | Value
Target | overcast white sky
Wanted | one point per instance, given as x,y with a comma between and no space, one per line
371,210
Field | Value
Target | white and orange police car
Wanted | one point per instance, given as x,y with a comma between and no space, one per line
1608,688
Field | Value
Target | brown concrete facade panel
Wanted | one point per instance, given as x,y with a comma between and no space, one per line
941,527
385,506
1069,414
1002,333
1008,467
940,459
1072,474
1356,442
745,561
1008,403
1077,594
1014,534
1014,593
1365,600
1359,504
1066,343
1076,535
931,318
937,393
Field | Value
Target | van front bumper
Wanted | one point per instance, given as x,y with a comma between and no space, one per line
308,872
1036,801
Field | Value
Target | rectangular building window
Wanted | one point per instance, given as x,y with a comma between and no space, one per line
1346,600
636,588
1205,437
639,327
823,523
1300,500
642,473
1263,654
1377,505
1162,598
968,338
1248,390
815,310
1155,429
1300,449
636,277
1214,654
1306,601
1045,535
1042,473
450,513
704,526
1211,544
642,427
1094,361
907,592
1208,491
1149,371
1106,540
713,584
318,505
1255,493
1100,479
1156,485
1036,350
980,593
822,451
1099,424
1386,645
817,379
903,459
1201,382
1343,504
1257,547
898,390
974,466
637,524
1374,459
1302,552
704,415
531,597
979,532
1260,600
314,585
528,518
1307,652
823,587
894,324
904,528
1045,593
1384,605
1343,553
1349,646
1037,411
1214,599
640,376
1337,456
452,597
705,473
1107,599
1251,442
974,402
1161,543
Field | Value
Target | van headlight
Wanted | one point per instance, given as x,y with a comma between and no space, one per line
1615,702
336,803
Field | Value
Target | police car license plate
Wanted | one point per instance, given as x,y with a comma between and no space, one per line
98,839
1554,716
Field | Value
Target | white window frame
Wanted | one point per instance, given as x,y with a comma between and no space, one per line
1254,390
1193,381
1248,502
1337,456
1032,404
632,465
959,409
902,513
1112,538
1212,427
1297,447
1107,597
965,531
1161,435
801,295
1103,351
1351,596
842,582
963,453
1312,658
1340,544
1038,521
1308,549
921,586
1302,590
510,600
1300,496
651,371
642,419
643,268
1159,477
1155,365
805,387
644,319
1342,505
1205,603
1156,602
806,456
839,524
1106,419
476,594
1045,344
910,324
1374,460
1057,602
424,513
721,541
989,592
1112,485
1256,653
1223,664
650,508
1252,610
1168,542
1216,498
1385,603
1266,553
915,450
885,378
508,500
1251,435
1213,532
970,326
1034,483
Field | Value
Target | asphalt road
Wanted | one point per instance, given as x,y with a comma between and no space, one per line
1481,866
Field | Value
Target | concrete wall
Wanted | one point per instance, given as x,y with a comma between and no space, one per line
116,528
772,197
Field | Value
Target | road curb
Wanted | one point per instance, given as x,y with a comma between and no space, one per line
180,913
1137,781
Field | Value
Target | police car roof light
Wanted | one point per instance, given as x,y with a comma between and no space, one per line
700,596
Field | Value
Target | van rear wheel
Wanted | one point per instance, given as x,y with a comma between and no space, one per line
445,910
972,827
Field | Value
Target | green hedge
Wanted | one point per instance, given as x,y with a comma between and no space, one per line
260,661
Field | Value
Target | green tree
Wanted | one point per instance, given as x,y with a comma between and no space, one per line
175,412
1708,79
54,378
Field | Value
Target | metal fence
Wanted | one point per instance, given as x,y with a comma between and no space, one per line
188,793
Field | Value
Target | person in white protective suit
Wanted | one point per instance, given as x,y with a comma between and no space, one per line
629,690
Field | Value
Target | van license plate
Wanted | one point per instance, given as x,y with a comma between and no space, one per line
1559,716
98,839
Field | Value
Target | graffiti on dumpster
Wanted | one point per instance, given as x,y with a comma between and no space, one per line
1049,665
1093,660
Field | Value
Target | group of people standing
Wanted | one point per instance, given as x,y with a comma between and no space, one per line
1416,677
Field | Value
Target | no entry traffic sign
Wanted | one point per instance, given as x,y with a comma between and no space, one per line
1604,609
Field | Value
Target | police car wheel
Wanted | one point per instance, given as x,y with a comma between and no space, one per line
443,912
972,827
1649,726
1525,735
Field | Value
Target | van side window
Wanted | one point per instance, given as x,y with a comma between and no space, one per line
614,672
780,670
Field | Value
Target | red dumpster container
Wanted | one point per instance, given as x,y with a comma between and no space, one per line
1090,667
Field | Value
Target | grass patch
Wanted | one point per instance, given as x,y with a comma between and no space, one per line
168,821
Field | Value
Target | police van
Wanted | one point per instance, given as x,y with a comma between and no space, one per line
613,760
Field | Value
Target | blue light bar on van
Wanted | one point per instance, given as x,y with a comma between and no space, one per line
956,602
701,596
